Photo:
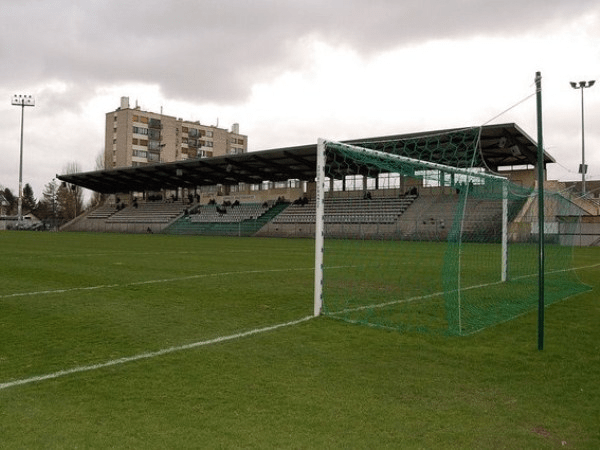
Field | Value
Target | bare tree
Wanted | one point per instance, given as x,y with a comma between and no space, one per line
70,196
100,162
98,198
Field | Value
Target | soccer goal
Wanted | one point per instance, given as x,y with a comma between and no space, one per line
417,235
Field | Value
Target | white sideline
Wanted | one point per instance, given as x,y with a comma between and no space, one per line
127,359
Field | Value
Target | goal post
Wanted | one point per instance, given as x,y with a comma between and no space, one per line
370,156
319,222
415,234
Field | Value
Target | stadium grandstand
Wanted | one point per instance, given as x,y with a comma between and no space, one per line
272,192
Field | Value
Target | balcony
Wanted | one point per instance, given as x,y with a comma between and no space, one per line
155,124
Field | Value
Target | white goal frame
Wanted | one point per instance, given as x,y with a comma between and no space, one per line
320,209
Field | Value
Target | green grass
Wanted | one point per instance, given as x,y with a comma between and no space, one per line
408,285
321,383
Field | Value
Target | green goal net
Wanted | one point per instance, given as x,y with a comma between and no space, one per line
416,235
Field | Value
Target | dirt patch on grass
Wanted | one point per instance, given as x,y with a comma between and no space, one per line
543,432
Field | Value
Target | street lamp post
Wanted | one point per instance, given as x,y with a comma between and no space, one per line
22,101
583,169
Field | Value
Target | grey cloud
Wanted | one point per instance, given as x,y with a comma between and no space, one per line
215,50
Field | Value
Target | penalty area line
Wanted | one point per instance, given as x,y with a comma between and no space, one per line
165,280
149,355
156,281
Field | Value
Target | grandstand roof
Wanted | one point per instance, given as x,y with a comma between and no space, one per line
502,145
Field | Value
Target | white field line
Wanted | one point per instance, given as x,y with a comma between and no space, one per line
155,354
437,294
128,253
140,283
148,355
116,253
164,280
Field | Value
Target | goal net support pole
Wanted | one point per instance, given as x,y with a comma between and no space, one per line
504,276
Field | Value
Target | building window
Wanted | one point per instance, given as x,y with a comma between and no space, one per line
140,130
209,144
209,134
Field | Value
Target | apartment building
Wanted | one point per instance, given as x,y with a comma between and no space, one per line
135,138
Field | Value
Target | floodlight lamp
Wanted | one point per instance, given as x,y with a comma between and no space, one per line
591,83
23,100
573,84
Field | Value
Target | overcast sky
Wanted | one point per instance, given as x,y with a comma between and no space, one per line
290,72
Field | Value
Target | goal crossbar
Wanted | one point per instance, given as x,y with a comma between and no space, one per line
399,158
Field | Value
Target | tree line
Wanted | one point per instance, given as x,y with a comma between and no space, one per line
59,203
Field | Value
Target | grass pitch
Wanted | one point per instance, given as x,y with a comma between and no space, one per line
117,322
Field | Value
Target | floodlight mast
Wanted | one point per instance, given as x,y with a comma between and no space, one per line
583,169
22,101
